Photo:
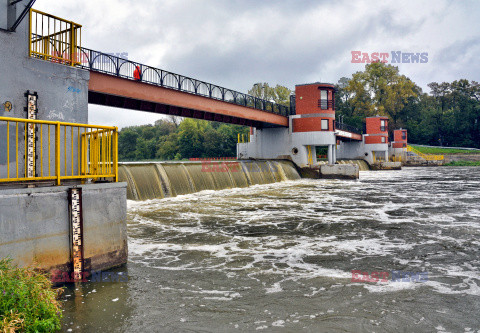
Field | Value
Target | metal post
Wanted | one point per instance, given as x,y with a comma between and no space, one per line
57,152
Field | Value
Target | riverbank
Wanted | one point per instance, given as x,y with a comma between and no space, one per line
27,301
463,163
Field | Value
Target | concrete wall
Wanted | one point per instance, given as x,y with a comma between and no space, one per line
280,143
51,81
3,14
39,232
62,91
359,150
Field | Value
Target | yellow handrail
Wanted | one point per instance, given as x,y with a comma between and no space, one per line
53,38
426,157
79,151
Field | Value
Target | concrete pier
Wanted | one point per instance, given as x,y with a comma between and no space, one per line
35,226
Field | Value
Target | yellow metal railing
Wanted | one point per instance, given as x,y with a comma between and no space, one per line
396,158
426,157
53,38
60,151
242,138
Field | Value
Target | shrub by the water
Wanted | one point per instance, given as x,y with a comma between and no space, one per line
463,163
27,301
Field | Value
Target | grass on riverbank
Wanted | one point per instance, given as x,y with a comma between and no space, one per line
463,163
27,301
444,151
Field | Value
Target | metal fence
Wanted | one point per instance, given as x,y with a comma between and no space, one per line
117,66
53,38
37,150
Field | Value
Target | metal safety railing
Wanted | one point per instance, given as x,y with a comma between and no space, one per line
117,66
426,157
37,150
396,158
53,38
242,138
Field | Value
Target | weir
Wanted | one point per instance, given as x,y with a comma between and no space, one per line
156,180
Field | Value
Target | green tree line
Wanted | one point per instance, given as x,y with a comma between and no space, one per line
449,115
169,139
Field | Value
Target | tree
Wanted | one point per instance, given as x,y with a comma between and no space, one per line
381,90
279,94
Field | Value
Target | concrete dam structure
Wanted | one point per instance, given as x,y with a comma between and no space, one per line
157,180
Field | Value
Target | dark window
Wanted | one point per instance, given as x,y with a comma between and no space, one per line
404,135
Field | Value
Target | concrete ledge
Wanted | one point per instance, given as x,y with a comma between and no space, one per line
310,172
35,226
386,166
340,171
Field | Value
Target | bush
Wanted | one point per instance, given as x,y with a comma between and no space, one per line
463,163
27,301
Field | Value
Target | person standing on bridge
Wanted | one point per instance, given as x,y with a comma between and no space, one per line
136,73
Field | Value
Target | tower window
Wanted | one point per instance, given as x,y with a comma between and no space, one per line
324,124
323,99
383,126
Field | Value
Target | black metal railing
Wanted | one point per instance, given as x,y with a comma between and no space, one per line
347,128
113,65
325,104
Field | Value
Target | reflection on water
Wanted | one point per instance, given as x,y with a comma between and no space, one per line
279,257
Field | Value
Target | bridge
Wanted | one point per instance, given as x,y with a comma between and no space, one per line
118,82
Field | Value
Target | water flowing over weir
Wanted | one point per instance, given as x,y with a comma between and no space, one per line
156,180
363,165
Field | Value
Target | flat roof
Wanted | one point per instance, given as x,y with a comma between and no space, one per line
316,83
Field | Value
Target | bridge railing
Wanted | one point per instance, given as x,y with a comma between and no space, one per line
347,128
50,151
117,66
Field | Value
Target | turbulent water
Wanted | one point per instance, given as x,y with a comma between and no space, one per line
279,257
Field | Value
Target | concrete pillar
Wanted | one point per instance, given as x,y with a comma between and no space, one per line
334,154
330,154
386,155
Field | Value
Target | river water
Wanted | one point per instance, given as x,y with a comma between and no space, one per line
279,257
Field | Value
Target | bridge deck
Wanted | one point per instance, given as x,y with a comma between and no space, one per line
120,92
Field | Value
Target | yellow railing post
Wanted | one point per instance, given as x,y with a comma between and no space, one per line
57,153
8,149
115,153
72,44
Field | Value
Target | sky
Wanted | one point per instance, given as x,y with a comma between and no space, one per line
236,43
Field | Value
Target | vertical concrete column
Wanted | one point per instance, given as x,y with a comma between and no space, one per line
386,155
334,154
330,154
